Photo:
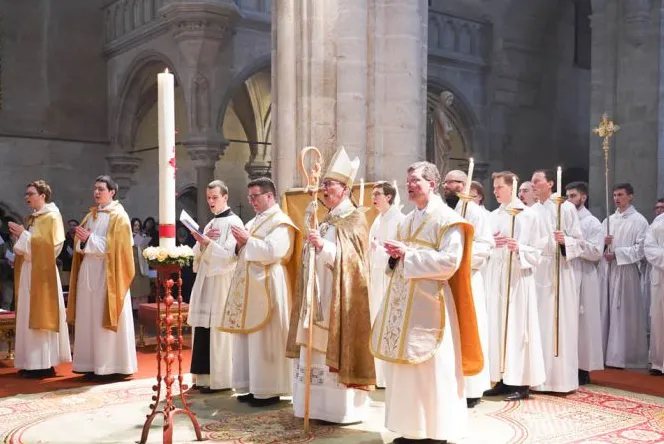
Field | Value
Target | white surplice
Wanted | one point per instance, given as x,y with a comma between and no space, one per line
654,252
427,400
562,371
330,401
483,243
98,349
587,253
260,365
624,320
38,349
524,359
214,265
383,228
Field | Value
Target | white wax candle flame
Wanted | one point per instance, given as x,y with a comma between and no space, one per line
471,167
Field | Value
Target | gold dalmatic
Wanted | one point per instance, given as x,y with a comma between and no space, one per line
249,304
410,324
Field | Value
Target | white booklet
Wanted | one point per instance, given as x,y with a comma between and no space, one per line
189,222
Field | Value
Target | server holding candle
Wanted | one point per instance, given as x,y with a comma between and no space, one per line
558,296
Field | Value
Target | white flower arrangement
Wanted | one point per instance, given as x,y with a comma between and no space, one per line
181,255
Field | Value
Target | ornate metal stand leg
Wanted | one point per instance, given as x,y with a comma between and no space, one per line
166,342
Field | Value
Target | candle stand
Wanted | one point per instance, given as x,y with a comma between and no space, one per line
169,350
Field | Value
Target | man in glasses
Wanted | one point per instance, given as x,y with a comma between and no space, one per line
342,368
257,306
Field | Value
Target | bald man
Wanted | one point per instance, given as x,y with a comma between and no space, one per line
483,243
527,194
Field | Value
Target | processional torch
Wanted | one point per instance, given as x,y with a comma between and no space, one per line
558,199
513,211
465,196
312,180
607,129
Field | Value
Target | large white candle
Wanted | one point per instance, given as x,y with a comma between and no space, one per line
166,108
559,181
471,167
397,197
361,200
515,188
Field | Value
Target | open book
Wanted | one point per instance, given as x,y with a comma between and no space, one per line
189,222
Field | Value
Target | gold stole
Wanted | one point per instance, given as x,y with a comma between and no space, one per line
394,325
44,305
249,304
119,266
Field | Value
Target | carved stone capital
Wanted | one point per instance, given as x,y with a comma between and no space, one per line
205,151
122,167
200,27
256,169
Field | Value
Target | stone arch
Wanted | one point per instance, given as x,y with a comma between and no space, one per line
261,63
136,95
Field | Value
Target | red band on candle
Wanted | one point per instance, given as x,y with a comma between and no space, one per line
167,231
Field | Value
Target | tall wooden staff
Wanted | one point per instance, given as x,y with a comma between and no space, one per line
607,129
312,184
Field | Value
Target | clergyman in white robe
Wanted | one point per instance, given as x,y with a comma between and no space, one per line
330,400
654,252
483,243
524,358
383,228
587,253
214,264
38,349
562,371
624,320
97,349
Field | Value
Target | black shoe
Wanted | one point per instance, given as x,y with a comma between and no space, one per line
39,374
264,402
497,390
245,398
208,390
584,377
655,372
418,441
518,395
472,402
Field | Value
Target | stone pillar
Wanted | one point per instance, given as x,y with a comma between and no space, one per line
352,73
122,167
204,153
626,47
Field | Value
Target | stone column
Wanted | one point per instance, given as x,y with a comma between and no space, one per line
122,167
352,73
204,153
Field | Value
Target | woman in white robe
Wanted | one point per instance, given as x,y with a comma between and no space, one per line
654,251
385,226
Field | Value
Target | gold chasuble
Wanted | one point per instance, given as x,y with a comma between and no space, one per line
409,326
47,232
119,265
349,328
249,304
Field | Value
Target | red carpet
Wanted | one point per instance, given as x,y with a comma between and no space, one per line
637,381
12,384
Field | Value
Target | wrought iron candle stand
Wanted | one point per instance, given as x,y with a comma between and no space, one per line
165,344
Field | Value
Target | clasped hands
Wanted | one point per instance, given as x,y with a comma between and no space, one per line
505,241
15,229
609,255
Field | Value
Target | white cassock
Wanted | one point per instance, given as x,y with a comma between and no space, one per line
383,228
330,401
562,372
38,349
98,349
624,320
524,359
646,294
214,265
587,253
483,243
260,365
426,399
654,251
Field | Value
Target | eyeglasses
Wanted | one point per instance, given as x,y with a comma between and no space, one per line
329,183
254,196
377,193
453,181
30,193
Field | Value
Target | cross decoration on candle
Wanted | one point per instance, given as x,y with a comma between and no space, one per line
166,113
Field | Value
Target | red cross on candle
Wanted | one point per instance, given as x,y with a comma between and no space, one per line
171,162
